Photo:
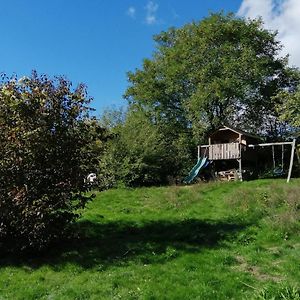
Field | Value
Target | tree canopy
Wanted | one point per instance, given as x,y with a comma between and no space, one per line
289,107
223,69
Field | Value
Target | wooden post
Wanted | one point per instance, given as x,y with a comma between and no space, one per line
291,161
273,156
297,154
240,159
240,169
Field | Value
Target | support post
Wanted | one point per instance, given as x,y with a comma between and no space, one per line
240,169
240,159
291,160
199,152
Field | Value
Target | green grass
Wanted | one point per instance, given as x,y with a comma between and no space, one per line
207,241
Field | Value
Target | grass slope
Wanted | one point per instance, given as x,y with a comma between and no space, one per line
208,241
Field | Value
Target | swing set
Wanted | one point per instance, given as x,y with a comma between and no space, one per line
229,145
279,170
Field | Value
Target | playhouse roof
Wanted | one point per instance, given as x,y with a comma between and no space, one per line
236,130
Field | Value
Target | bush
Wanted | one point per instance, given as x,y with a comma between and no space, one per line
47,146
144,153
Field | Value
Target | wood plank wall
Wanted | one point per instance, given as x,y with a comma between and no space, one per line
224,151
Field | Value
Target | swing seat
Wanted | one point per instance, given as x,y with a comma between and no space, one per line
278,171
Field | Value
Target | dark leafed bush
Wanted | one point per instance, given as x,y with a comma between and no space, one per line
47,146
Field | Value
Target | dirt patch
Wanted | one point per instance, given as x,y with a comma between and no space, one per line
255,271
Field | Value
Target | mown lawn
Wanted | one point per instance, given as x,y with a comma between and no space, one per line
207,241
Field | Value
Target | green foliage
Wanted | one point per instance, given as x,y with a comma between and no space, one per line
141,153
289,108
221,70
47,147
282,293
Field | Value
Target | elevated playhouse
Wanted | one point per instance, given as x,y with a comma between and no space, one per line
234,153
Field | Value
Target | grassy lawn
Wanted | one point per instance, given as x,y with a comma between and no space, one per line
207,241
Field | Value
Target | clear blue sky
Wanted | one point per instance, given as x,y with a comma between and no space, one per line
92,41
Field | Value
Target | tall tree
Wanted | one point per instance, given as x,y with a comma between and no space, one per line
223,69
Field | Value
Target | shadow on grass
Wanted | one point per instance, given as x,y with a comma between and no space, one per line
116,243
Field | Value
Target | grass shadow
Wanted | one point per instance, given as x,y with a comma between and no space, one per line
116,243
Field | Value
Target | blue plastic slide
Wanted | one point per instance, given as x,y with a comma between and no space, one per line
201,164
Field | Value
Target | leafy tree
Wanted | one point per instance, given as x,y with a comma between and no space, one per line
111,160
222,69
112,118
47,147
140,152
289,108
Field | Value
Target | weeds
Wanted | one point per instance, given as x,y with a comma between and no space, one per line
282,293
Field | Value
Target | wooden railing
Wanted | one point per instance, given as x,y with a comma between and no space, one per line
222,151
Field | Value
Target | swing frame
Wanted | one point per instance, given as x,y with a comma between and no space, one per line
293,144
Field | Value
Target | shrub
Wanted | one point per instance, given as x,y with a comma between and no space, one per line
144,153
47,146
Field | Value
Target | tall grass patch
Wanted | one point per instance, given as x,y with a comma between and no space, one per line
276,205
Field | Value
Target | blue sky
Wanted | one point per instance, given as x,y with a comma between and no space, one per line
93,41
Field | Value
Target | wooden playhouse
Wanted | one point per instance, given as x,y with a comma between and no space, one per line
234,152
